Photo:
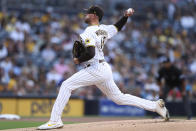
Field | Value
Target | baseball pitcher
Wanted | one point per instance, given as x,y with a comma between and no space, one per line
88,50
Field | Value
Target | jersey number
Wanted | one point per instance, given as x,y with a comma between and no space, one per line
103,39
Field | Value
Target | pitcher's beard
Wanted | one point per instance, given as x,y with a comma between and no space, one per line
87,21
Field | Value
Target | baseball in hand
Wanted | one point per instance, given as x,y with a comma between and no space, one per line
129,12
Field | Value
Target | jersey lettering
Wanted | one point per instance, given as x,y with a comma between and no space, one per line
103,40
101,32
103,37
97,36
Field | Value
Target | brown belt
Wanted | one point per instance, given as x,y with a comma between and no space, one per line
100,61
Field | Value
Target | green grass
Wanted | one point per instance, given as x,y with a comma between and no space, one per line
21,124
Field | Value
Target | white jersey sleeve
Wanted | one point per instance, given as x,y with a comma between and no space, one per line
111,30
87,39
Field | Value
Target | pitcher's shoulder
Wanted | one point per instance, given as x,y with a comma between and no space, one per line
93,27
89,29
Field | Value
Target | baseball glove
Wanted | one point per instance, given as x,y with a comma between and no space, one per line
78,49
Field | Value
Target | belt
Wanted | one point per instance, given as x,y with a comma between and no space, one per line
100,61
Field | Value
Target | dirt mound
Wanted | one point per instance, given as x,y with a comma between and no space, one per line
128,125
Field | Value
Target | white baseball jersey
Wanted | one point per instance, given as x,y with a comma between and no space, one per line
97,36
99,74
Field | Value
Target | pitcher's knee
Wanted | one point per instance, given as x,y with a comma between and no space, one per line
66,86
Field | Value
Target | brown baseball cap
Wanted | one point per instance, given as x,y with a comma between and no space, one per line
96,10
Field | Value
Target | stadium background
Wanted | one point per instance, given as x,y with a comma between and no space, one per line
36,38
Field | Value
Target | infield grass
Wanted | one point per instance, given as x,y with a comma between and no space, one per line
21,124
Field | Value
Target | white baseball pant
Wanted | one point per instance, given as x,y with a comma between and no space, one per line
99,74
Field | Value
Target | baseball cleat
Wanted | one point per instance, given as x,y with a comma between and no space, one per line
50,125
162,110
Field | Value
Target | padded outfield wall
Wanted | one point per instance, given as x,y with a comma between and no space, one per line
42,106
38,107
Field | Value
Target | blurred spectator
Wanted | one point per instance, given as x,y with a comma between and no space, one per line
60,67
53,75
48,55
17,35
6,64
187,21
12,85
171,11
152,89
193,67
2,80
29,85
3,51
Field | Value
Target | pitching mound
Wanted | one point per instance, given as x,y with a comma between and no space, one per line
128,125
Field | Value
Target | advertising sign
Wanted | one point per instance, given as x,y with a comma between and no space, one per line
109,108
